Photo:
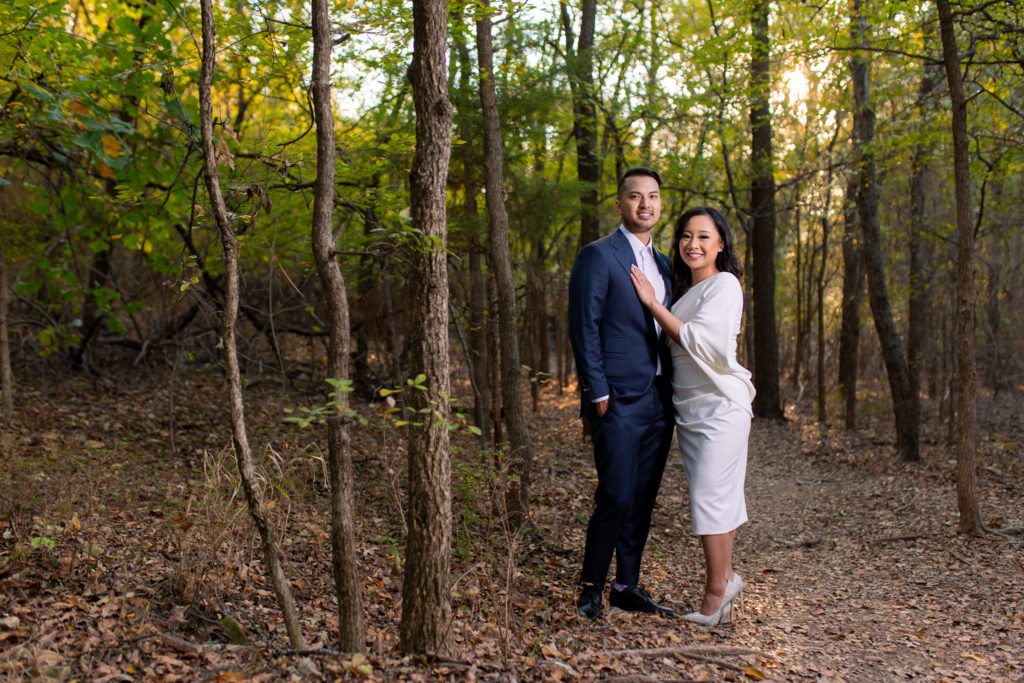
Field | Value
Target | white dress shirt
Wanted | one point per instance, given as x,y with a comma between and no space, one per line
645,260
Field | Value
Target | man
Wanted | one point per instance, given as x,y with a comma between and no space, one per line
623,366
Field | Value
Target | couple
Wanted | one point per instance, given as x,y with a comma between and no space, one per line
644,369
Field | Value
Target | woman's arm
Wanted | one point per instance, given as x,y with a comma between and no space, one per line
645,290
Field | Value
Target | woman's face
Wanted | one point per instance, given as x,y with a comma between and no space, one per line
699,246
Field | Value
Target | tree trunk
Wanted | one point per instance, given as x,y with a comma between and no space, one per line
494,342
584,106
6,376
820,282
520,462
853,295
478,321
903,404
966,438
426,626
767,401
826,229
229,247
475,244
919,317
344,549
803,272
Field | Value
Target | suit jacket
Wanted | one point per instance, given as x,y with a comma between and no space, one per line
613,335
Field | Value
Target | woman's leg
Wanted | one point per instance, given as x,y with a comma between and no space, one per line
718,559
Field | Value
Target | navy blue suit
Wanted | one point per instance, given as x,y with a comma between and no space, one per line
617,350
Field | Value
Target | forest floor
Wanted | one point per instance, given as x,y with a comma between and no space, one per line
126,552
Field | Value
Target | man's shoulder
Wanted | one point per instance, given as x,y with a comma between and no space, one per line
608,240
603,245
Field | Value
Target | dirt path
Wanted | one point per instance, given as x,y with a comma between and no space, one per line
120,556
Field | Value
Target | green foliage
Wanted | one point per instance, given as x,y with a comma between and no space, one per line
394,416
337,406
106,216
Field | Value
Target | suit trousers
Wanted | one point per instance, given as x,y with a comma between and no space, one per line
631,443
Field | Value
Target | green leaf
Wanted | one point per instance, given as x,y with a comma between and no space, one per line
36,91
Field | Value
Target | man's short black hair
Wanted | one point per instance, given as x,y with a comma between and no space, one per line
639,170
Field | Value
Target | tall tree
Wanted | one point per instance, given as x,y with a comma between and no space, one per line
903,404
517,500
426,605
826,224
229,247
6,376
966,438
853,295
768,401
347,587
920,302
580,64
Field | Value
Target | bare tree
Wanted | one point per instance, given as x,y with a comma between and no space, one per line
768,401
903,404
966,376
426,605
517,501
580,63
919,318
344,564
229,247
853,295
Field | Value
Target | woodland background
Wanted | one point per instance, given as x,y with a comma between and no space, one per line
390,256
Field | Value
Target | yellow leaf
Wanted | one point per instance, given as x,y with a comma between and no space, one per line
105,171
358,665
753,672
79,109
111,146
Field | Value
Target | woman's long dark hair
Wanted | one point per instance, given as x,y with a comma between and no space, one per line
726,260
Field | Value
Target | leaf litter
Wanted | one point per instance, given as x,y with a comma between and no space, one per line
126,552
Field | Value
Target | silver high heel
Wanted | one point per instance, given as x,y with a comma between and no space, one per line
736,585
733,588
722,615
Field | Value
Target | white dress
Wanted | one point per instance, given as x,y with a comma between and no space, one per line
712,394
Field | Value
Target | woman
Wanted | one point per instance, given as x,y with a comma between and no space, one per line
711,393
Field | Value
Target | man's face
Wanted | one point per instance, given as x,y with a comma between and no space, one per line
639,203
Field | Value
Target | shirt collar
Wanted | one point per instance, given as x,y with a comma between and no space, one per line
635,243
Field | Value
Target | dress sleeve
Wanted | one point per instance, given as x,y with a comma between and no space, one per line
710,335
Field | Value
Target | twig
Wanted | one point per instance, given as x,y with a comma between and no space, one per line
686,651
180,645
711,660
904,537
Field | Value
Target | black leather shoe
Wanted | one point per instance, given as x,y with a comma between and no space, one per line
589,604
636,599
